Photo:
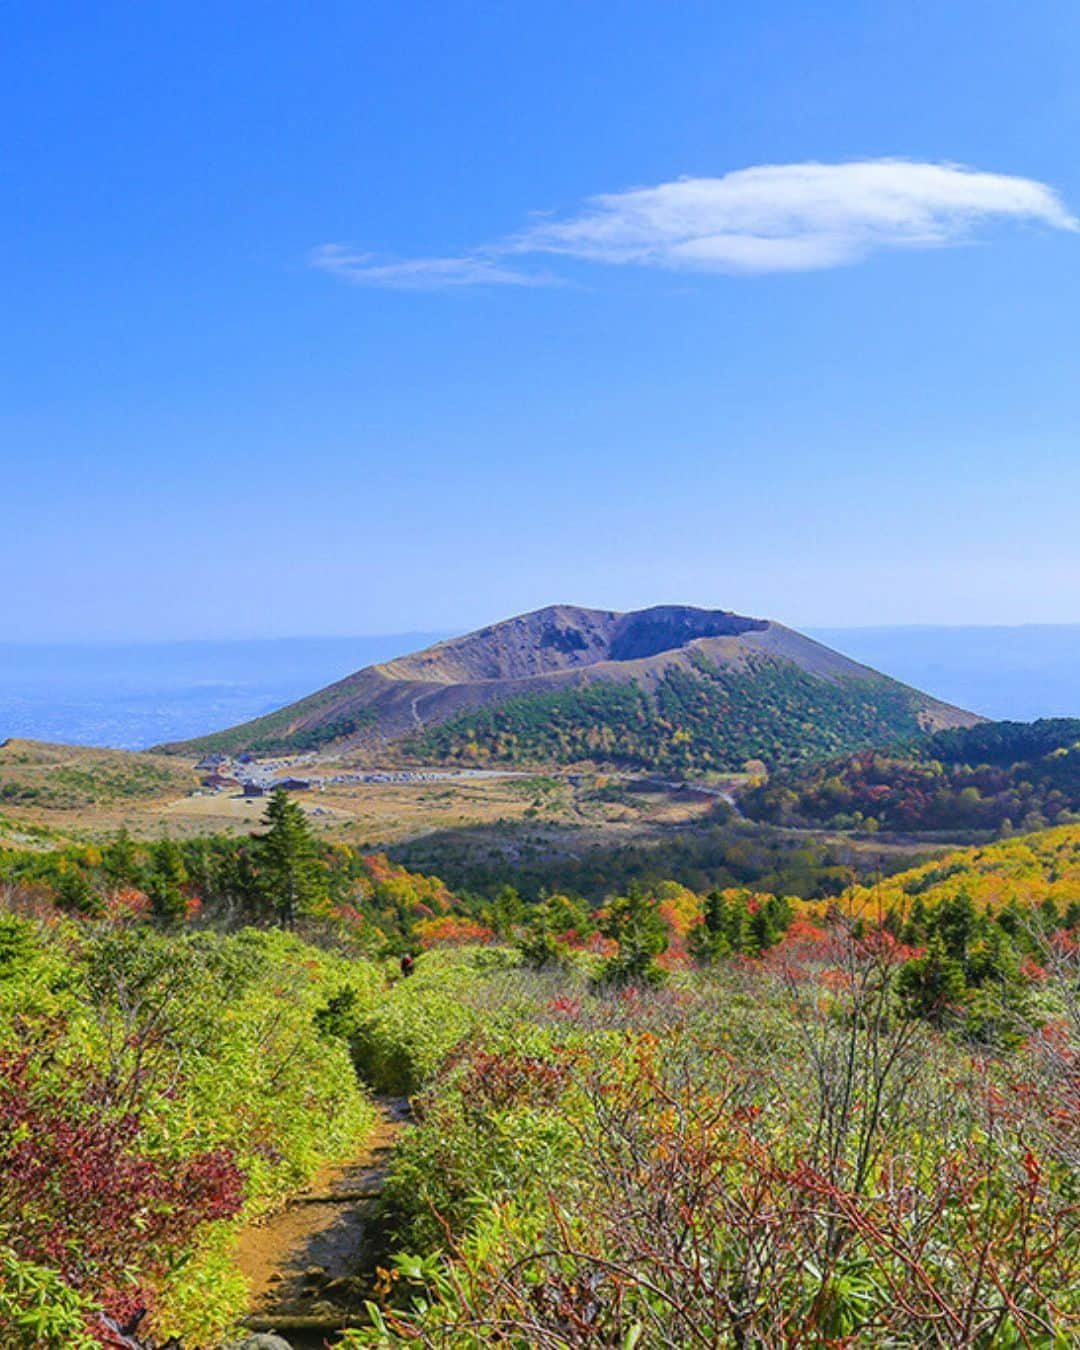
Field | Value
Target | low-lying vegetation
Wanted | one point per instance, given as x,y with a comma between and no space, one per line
155,1090
741,1118
279,877
70,778
715,852
776,1150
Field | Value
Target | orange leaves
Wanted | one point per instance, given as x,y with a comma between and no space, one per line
1031,970
409,890
500,1080
127,904
802,929
449,930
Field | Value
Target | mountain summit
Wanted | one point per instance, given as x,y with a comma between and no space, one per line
670,687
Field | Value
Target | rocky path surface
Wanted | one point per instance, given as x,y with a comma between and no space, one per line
309,1266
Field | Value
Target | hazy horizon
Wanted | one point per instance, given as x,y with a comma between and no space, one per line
134,695
440,633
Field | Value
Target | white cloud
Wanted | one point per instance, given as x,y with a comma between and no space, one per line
419,273
770,218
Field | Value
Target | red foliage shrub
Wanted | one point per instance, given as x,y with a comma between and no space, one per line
127,905
78,1195
495,1080
1031,970
350,914
803,930
674,958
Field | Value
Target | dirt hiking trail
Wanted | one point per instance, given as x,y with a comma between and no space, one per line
310,1266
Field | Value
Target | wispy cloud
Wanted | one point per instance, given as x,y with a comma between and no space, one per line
420,273
770,218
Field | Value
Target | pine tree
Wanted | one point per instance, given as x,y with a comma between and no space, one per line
709,940
75,894
955,923
634,921
916,928
294,878
507,912
242,882
540,945
933,985
1049,915
739,935
119,860
763,932
165,881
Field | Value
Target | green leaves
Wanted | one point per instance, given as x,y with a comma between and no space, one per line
293,874
706,718
210,1046
38,1311
635,923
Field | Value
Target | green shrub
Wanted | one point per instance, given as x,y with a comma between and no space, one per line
213,1045
404,1038
38,1311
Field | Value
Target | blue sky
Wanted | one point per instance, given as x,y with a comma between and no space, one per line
264,371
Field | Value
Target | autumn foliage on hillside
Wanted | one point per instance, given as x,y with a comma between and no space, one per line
281,876
702,718
846,1172
805,1097
1025,873
997,777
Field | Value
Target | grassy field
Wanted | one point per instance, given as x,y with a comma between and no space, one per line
61,786
89,792
379,814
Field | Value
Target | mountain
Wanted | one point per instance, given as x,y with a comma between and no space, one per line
671,688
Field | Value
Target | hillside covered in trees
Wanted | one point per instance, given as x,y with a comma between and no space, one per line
693,720
1033,871
995,777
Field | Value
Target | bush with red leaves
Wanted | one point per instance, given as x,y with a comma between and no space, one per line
80,1196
